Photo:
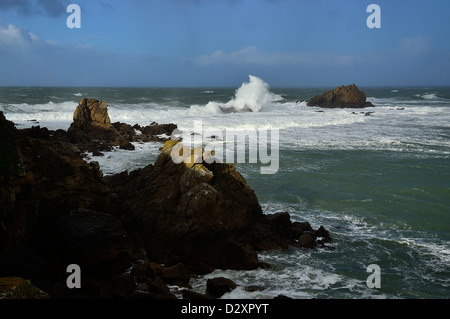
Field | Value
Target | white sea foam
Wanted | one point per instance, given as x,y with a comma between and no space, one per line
252,96
429,96
119,160
51,115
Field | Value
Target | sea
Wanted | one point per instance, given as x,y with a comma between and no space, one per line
377,178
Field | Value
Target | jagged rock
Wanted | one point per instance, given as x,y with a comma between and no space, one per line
188,213
19,288
203,215
341,97
92,112
53,209
42,180
192,217
92,130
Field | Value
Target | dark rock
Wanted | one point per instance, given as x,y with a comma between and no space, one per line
189,214
217,287
126,145
20,288
37,132
53,212
341,97
158,129
254,288
192,217
97,153
306,241
92,129
176,274
282,297
323,233
42,180
190,294
95,240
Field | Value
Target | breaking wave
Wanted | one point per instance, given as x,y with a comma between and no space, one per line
252,96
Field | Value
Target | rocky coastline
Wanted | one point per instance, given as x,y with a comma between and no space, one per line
134,233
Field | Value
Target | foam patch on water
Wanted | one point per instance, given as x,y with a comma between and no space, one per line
120,160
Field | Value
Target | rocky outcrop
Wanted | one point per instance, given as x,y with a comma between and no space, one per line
42,180
56,210
341,97
189,213
19,288
203,215
92,130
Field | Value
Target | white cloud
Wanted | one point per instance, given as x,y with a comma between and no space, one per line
13,36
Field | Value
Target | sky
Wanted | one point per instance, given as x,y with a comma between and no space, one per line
219,43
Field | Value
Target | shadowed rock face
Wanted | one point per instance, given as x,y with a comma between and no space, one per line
56,209
189,213
341,97
43,184
203,215
42,180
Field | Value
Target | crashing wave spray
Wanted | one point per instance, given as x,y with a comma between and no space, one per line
253,96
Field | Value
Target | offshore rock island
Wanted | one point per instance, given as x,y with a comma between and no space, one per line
132,233
341,97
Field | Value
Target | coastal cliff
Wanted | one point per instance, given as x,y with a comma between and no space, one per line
56,209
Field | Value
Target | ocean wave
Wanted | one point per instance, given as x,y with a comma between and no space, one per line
252,96
429,96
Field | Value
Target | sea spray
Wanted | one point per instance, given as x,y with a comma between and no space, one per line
252,96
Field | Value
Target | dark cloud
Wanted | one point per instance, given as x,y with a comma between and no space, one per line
52,8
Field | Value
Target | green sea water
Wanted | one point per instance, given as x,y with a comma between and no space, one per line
380,183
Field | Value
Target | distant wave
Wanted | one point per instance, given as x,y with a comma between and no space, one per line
427,96
252,96
78,94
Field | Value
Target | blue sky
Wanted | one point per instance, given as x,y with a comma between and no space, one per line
210,43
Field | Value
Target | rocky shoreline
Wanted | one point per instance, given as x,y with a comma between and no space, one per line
134,233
